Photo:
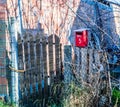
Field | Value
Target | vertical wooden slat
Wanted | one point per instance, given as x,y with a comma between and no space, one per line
28,63
41,56
24,75
35,58
90,52
48,69
54,56
84,66
38,64
57,54
28,44
47,51
96,56
24,64
50,42
23,53
44,56
26,53
77,60
42,66
67,64
61,63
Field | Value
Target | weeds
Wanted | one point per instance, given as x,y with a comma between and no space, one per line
116,97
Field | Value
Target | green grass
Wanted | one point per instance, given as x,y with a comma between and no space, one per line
116,96
73,95
3,104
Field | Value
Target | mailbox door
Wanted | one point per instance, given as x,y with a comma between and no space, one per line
81,39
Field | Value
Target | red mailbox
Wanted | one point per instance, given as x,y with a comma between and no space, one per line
81,38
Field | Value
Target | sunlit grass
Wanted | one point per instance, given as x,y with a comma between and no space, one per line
3,104
69,95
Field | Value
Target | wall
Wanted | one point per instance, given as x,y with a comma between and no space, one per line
99,18
3,33
116,13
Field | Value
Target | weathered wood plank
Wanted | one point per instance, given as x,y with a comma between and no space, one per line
67,64
84,63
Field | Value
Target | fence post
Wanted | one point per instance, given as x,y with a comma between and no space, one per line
14,60
77,59
84,63
67,64
90,52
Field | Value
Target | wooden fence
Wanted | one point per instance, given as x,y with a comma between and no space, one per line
41,58
89,68
84,61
